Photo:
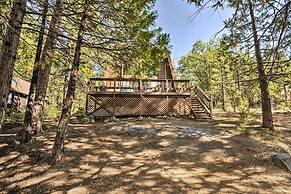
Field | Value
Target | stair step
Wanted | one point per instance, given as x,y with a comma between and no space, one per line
198,108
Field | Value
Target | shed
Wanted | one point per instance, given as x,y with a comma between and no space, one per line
19,91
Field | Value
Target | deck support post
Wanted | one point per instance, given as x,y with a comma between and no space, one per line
114,103
95,105
168,105
141,105
86,109
140,86
114,85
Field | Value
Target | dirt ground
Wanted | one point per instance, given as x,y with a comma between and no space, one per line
170,155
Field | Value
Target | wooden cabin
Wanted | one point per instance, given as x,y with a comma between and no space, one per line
111,96
18,94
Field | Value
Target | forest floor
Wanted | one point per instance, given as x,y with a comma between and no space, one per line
170,155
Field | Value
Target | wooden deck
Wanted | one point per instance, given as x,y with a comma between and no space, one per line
155,97
104,93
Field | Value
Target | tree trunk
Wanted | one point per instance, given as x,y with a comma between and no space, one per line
65,88
9,52
58,148
222,73
26,131
45,68
265,96
250,99
286,95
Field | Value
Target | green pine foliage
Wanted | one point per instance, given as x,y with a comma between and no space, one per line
218,68
119,34
227,68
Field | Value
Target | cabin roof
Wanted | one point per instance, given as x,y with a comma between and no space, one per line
20,86
166,71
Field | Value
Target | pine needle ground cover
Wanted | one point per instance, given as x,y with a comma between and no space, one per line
171,155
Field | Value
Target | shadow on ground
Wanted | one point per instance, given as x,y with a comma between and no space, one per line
104,158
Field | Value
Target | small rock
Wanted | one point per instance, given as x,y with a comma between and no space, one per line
175,115
141,132
140,118
106,121
111,119
185,131
114,119
282,160
124,123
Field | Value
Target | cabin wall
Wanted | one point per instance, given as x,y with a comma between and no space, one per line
16,100
166,69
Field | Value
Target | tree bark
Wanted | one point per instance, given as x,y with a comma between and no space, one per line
27,130
9,52
45,68
222,73
250,98
58,148
264,87
286,95
66,82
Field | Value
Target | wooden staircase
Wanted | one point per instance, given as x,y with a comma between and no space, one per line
201,104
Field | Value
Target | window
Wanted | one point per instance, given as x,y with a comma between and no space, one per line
10,100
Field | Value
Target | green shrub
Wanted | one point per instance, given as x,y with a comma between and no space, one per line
246,118
14,116
52,112
81,116
268,131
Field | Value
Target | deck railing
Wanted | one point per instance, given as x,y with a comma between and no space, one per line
125,85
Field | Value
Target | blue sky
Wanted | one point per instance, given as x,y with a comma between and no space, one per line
175,19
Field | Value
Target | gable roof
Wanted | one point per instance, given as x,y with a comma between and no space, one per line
20,86
166,70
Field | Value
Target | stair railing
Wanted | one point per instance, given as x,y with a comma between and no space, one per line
204,99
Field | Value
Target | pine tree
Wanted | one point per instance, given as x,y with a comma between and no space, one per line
9,51
58,148
40,75
27,128
270,20
45,67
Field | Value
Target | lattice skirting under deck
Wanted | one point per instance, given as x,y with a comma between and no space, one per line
106,106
